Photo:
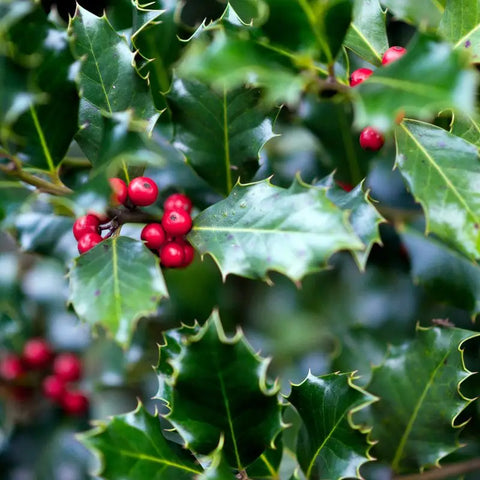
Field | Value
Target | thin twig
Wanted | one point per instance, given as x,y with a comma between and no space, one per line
445,471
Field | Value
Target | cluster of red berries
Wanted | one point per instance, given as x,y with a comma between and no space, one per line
371,138
165,238
56,384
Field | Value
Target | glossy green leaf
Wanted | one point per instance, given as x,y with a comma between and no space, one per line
220,134
218,387
367,35
315,27
330,445
364,217
218,469
261,228
418,385
267,466
231,61
442,172
107,79
429,78
114,284
134,443
425,14
466,127
444,272
460,25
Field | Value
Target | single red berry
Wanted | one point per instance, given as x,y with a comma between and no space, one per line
86,224
74,402
67,367
11,367
177,201
371,139
88,241
172,255
120,191
53,388
392,54
345,186
153,235
176,222
142,191
188,254
359,76
37,353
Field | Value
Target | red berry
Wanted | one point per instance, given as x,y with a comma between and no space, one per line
153,235
371,139
188,254
102,217
86,224
74,402
11,367
88,241
345,186
67,367
142,191
120,191
172,255
176,222
178,201
360,75
53,388
37,353
392,54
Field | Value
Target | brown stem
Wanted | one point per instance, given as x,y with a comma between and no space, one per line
452,470
242,475
12,169
121,215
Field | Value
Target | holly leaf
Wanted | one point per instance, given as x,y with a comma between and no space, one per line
364,217
367,35
221,134
429,78
446,274
460,25
418,384
116,283
467,127
109,86
219,389
12,196
330,445
442,171
134,443
426,13
261,227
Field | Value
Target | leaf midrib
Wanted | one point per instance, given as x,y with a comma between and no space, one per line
369,45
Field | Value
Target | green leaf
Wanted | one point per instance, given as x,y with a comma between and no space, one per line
330,445
261,227
114,284
467,127
12,196
364,217
367,35
315,27
460,25
442,171
134,443
218,387
446,274
218,468
418,384
12,11
221,134
425,14
107,78
429,78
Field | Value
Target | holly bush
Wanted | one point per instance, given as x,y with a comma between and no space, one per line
325,328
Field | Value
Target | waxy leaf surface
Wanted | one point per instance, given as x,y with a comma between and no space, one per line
428,78
262,227
218,388
443,173
367,35
134,443
221,134
426,13
419,389
467,127
330,445
114,284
